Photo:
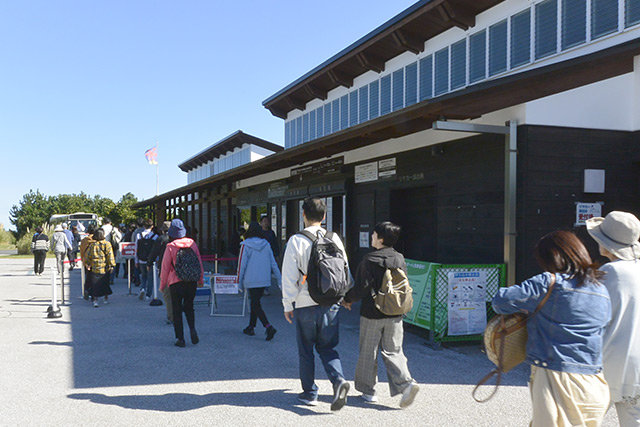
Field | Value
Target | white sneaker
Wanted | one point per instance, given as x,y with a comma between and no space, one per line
369,398
106,301
95,304
141,294
147,299
409,394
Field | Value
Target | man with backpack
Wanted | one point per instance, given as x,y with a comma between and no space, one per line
381,282
315,278
144,242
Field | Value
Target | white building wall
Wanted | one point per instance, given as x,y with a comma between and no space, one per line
483,22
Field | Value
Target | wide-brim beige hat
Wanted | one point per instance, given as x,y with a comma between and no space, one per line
58,228
618,233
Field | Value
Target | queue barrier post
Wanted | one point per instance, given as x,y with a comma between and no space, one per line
53,310
155,301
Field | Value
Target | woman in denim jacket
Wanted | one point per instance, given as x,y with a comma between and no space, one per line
564,347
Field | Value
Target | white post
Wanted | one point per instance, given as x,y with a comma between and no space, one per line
155,281
54,311
216,264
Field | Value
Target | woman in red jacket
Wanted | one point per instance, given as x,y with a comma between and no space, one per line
182,292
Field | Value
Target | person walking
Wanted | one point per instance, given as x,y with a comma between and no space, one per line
617,236
257,264
316,326
155,256
61,246
380,333
565,335
270,237
69,254
39,248
100,262
144,241
75,244
84,245
182,293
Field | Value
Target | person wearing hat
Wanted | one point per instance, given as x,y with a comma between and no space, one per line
182,293
617,236
61,245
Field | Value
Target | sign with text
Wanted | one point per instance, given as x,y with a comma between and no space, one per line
366,172
585,211
420,274
127,250
467,295
225,284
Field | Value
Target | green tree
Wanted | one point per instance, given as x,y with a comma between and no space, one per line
123,212
30,212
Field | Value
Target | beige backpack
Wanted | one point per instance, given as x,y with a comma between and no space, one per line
395,296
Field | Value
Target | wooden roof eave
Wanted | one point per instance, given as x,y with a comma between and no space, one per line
471,102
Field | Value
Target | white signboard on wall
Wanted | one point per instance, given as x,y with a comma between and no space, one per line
366,172
585,211
364,239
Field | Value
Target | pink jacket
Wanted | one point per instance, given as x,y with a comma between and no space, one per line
168,274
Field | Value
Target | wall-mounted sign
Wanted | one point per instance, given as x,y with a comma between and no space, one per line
585,211
387,168
323,168
366,173
364,239
374,171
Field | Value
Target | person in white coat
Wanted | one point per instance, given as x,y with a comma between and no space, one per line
617,236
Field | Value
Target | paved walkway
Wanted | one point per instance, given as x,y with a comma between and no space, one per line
116,365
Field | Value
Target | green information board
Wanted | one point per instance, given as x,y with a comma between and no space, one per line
421,279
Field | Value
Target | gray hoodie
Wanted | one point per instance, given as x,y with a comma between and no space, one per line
257,264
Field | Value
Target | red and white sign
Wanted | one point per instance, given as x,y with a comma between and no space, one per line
127,250
225,284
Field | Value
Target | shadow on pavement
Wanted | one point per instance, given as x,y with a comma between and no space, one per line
178,402
129,343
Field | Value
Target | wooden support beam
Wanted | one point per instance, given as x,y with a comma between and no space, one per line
296,102
408,41
457,15
316,92
371,62
340,78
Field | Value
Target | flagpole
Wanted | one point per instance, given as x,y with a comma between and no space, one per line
157,173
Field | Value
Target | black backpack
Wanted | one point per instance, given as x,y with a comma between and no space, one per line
144,246
327,275
187,265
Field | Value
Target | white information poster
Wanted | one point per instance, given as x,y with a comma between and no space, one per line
367,172
364,239
283,213
467,302
585,211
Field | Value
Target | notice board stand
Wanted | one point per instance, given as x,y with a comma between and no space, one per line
228,286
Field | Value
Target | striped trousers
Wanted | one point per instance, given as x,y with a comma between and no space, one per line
384,337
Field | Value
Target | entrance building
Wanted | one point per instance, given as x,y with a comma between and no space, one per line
358,131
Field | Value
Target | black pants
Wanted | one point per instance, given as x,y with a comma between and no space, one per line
182,296
71,258
256,308
38,261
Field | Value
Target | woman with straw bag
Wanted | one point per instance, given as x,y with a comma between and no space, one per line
564,345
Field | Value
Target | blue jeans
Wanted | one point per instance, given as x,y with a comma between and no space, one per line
318,326
146,280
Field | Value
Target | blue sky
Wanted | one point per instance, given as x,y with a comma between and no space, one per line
87,86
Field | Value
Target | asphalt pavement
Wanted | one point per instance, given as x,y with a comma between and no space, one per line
116,365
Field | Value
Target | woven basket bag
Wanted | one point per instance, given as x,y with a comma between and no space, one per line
505,342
